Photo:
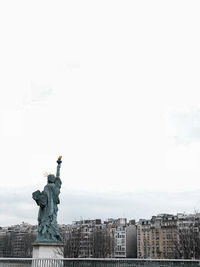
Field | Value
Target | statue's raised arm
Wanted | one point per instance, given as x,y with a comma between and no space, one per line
58,180
59,161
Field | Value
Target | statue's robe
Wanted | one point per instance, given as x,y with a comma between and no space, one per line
48,200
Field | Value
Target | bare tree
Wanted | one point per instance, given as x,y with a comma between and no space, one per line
102,243
8,244
72,242
27,245
15,244
187,245
93,241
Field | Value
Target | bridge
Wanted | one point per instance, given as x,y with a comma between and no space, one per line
91,262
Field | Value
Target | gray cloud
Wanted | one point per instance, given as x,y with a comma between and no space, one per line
17,205
187,126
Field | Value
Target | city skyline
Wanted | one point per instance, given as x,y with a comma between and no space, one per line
163,236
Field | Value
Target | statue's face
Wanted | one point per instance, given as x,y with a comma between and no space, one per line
51,178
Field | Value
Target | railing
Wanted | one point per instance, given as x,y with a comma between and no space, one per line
16,262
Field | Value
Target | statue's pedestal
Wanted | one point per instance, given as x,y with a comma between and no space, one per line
47,251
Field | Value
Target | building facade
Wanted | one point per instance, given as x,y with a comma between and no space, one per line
157,238
89,239
16,240
125,239
113,238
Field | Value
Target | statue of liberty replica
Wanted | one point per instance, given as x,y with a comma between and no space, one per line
48,200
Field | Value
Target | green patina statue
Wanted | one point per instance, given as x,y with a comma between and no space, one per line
48,200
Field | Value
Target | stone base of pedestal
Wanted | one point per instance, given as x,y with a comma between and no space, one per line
47,251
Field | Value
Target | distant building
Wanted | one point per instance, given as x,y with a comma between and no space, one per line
3,231
16,240
131,240
88,239
125,239
157,238
96,239
143,239
188,242
113,238
120,238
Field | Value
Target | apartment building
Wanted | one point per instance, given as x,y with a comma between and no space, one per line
96,239
120,238
3,231
157,238
188,229
88,238
16,240
143,239
125,239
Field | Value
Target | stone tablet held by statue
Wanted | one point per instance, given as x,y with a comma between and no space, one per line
47,200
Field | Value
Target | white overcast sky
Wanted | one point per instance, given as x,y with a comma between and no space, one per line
112,86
